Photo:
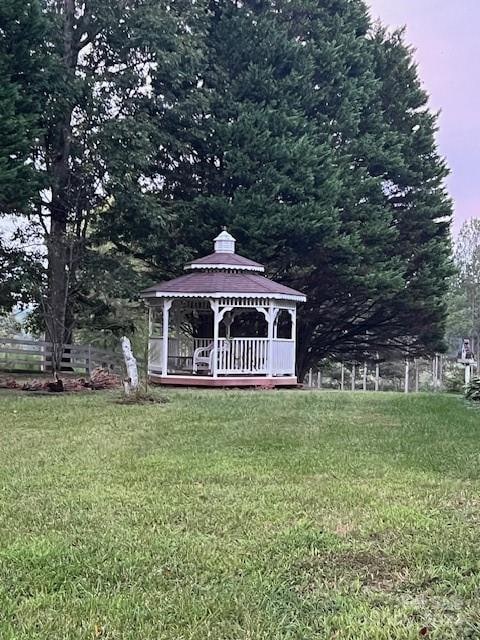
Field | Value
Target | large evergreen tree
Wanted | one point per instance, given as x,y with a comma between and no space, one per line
311,139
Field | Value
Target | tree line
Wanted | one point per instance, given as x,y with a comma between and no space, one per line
132,130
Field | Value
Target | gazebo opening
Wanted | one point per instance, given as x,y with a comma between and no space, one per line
223,322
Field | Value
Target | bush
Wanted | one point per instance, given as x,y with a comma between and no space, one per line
472,390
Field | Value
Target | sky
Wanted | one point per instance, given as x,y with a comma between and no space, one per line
445,36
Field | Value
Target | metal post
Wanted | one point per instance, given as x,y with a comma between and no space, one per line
310,378
364,376
342,378
89,359
377,375
417,376
353,376
319,379
407,373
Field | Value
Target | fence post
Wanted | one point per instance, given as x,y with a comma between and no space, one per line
319,379
310,378
417,376
353,376
342,378
407,373
364,376
377,375
89,357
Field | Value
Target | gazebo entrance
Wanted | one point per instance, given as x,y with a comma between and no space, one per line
241,336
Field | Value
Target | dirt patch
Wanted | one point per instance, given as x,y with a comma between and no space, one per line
374,571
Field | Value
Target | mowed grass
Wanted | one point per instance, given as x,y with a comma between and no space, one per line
235,515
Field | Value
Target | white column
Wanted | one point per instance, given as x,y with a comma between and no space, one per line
377,374
407,374
364,376
216,322
166,308
342,378
271,322
293,315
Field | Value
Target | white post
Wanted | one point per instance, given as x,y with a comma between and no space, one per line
407,373
310,378
377,374
353,376
468,373
293,315
270,329
319,379
166,308
417,376
342,378
364,376
216,322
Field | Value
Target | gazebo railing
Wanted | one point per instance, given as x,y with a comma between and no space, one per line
235,356
283,355
242,355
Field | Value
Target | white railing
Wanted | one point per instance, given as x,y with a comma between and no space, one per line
242,355
180,352
234,355
283,354
155,353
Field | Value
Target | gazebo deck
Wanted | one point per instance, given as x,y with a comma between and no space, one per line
269,382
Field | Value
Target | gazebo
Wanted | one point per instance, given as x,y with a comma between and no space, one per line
222,323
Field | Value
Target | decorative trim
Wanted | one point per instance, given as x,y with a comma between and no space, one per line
226,294
223,267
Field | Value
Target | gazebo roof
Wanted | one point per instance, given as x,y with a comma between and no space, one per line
220,260
223,274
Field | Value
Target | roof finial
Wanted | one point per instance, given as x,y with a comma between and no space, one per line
224,242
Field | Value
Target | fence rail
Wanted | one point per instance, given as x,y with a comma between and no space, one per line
35,356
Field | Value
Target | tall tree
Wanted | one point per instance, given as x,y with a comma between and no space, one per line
97,132
311,139
464,293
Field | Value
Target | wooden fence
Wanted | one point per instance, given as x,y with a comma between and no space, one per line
35,356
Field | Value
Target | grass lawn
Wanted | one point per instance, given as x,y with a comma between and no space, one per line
239,515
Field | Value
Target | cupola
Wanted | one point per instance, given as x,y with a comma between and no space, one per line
224,242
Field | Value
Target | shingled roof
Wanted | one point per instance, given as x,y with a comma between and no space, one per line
221,274
222,284
225,260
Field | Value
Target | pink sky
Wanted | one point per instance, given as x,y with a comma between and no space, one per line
445,36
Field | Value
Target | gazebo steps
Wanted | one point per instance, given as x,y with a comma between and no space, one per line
224,381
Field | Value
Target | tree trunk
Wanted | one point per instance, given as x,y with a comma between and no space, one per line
59,249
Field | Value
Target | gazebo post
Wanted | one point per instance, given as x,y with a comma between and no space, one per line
271,323
167,303
216,322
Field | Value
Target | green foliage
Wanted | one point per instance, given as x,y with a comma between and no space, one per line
239,515
294,123
472,391
22,30
308,136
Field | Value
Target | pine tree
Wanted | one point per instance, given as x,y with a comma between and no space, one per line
310,138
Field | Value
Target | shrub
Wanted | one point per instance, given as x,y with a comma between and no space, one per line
472,390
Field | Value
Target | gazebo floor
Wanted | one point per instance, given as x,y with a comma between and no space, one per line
269,382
